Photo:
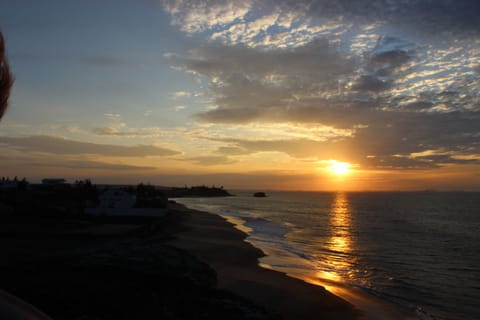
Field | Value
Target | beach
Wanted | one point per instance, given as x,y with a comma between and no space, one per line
393,255
111,268
190,264
215,241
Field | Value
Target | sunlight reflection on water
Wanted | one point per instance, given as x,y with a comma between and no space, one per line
340,241
413,248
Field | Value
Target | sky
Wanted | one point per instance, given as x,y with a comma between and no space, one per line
292,95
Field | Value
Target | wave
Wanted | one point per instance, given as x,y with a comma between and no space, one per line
389,245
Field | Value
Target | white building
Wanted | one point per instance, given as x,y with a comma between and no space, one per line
120,202
115,198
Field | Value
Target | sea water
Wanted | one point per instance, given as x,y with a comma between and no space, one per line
420,250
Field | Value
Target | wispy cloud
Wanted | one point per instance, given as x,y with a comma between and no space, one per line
364,149
74,166
179,108
127,133
197,16
89,165
182,94
210,160
60,146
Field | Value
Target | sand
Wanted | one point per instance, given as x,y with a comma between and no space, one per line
99,269
215,241
218,243
73,268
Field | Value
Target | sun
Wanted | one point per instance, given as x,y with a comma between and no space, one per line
339,168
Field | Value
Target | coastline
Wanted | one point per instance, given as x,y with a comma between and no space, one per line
188,264
221,244
110,268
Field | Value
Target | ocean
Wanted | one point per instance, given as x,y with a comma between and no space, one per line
420,250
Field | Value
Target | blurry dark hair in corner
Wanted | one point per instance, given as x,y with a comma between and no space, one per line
6,78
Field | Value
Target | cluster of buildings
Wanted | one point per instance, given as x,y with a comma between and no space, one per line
112,200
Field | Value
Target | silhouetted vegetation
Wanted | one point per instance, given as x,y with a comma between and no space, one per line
150,197
22,198
197,191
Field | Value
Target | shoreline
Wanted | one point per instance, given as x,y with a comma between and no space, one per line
101,268
221,243
108,268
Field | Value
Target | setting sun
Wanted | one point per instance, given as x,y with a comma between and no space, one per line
339,168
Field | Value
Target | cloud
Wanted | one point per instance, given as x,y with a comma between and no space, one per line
268,131
424,15
211,160
387,66
182,94
68,167
55,145
297,148
315,84
370,82
233,151
197,16
115,132
248,83
88,164
179,108
253,22
389,60
393,142
263,22
353,66
222,60
113,116
124,131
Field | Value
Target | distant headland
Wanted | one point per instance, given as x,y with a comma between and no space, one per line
197,191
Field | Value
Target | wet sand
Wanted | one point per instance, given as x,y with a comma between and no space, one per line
215,241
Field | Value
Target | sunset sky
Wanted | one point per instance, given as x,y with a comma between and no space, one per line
303,95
